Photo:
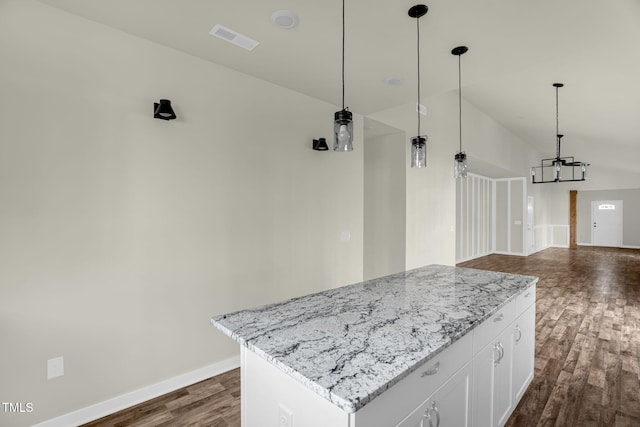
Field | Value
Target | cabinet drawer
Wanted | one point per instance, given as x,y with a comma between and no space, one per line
491,328
401,399
525,299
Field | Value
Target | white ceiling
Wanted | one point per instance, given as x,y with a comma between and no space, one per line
517,49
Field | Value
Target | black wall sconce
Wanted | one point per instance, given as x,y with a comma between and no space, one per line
320,144
163,110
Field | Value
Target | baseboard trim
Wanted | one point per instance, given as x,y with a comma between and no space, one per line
509,253
118,403
623,246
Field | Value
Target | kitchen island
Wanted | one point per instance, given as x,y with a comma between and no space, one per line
438,344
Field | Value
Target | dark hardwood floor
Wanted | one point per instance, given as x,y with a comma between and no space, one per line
212,403
587,349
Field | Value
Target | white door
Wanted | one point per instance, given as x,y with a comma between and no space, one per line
531,238
606,223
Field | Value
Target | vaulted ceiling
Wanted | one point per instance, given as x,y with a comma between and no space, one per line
517,49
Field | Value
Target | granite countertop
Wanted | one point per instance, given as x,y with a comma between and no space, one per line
350,344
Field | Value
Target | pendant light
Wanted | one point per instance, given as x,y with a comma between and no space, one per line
460,159
554,167
419,142
343,119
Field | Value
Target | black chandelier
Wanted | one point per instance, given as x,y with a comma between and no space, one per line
553,170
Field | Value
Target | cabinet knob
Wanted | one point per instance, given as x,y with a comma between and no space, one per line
498,318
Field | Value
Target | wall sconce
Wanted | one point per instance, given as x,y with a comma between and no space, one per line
320,144
163,110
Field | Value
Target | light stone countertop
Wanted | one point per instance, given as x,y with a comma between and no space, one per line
352,343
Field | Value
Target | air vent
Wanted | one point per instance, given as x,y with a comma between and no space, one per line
233,37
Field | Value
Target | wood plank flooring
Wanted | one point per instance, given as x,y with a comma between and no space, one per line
587,368
212,403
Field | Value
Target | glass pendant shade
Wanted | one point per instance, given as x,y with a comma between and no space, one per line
343,131
556,171
460,165
419,152
584,171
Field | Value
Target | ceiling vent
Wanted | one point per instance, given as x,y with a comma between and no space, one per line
233,37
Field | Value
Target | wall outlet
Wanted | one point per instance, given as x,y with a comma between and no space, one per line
345,236
55,367
285,416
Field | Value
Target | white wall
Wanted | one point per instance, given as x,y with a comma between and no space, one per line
431,192
630,214
510,216
121,235
384,204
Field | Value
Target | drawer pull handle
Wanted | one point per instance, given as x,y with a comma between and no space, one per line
519,332
498,317
528,295
500,349
432,370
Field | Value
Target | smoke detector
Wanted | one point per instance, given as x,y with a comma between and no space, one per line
285,19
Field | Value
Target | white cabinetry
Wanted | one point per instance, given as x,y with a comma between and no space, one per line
449,406
503,361
477,381
444,381
492,382
523,351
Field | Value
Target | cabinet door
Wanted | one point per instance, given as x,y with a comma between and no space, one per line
453,400
449,406
422,416
503,381
524,332
492,402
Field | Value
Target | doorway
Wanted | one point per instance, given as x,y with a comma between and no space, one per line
606,223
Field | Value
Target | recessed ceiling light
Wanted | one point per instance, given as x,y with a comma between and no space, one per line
233,37
284,19
394,80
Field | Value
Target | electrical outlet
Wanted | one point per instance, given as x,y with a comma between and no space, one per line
285,416
345,236
55,367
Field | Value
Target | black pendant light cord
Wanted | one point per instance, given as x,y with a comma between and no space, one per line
343,54
557,127
460,100
418,106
